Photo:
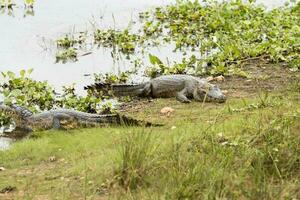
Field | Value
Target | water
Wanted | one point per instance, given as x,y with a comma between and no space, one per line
5,143
24,41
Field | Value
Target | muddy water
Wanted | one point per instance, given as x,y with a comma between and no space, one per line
26,41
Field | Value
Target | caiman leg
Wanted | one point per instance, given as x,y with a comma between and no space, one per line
196,95
181,96
146,90
64,121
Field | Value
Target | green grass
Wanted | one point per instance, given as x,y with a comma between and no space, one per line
244,149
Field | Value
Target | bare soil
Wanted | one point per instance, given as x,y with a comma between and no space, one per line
262,78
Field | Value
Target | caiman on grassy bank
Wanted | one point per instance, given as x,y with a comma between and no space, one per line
26,121
183,87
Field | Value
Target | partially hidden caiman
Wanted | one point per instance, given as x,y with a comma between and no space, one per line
26,121
183,87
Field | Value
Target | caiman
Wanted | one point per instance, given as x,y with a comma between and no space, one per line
26,121
183,87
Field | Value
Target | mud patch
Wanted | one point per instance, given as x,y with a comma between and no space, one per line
262,78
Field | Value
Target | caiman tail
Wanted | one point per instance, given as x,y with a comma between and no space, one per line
120,119
25,121
121,89
93,120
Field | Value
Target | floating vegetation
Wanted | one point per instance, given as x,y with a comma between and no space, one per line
110,78
217,37
151,29
226,34
66,42
158,68
122,41
29,3
11,3
71,40
68,46
8,6
69,54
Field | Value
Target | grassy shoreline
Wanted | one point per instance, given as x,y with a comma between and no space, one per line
247,148
244,149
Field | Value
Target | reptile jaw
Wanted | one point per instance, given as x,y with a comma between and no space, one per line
221,99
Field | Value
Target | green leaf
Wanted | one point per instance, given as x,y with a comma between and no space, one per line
22,73
16,92
11,75
3,74
29,71
155,60
29,2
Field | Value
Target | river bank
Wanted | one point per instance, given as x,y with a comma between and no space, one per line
231,150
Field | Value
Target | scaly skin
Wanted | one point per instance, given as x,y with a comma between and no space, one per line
26,121
183,87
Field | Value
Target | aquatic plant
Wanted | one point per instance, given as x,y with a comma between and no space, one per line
8,6
22,90
71,40
228,33
11,3
159,68
69,54
222,36
40,95
68,46
110,78
66,42
69,99
122,41
29,2
4,120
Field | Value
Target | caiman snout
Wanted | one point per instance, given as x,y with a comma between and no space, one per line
216,95
222,98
